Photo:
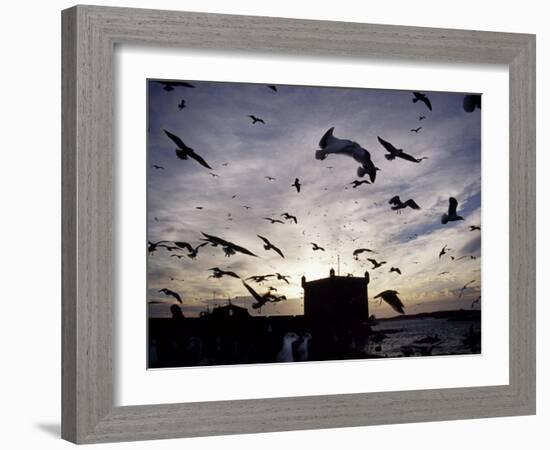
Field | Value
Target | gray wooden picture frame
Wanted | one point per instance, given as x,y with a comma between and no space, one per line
90,34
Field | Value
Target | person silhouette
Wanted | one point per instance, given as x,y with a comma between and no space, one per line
176,312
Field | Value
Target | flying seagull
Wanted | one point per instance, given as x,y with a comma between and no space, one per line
296,184
229,248
195,251
167,291
269,246
471,102
273,88
398,152
255,119
451,215
443,251
184,152
443,273
315,247
218,273
357,183
358,251
270,178
333,145
282,277
465,287
181,104
170,85
261,300
261,278
288,216
375,264
273,220
152,246
391,298
416,130
397,204
395,269
418,96
156,166
475,227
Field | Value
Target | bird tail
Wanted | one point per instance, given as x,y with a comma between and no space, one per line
444,219
390,157
320,154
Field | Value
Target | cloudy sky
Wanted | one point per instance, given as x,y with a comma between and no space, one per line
330,212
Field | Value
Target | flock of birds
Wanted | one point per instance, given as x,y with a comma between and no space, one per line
328,145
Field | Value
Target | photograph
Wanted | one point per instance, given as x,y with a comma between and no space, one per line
289,223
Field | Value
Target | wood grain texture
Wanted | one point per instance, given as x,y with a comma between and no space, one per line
89,36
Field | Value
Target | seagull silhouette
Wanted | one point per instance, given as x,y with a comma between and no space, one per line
229,248
219,273
333,145
269,246
156,166
185,152
443,251
169,292
375,264
261,300
475,227
391,298
270,178
395,269
451,215
282,277
288,216
255,119
273,220
465,287
398,152
358,251
315,247
398,204
416,130
357,183
152,246
418,96
296,184
260,278
170,85
181,104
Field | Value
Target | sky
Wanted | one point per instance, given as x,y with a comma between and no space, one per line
329,210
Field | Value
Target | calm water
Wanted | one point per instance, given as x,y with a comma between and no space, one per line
402,337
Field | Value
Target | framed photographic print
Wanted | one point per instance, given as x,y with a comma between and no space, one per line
302,217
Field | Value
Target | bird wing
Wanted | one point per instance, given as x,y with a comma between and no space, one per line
184,245
175,139
326,137
216,240
231,274
199,159
277,250
391,298
427,102
254,294
388,146
412,204
240,249
407,157
372,261
453,203
395,200
264,239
